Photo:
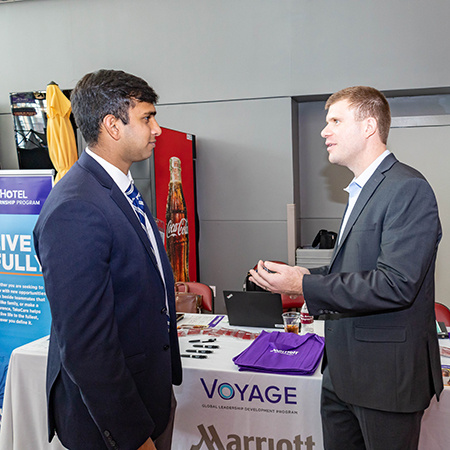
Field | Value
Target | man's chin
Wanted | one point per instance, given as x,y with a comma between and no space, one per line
334,160
144,157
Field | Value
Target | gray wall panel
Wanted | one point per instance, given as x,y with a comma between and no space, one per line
8,157
231,248
384,43
205,50
244,156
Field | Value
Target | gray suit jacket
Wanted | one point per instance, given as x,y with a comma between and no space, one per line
378,295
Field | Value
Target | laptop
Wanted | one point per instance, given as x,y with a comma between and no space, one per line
254,309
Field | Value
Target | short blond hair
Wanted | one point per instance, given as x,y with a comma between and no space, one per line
367,102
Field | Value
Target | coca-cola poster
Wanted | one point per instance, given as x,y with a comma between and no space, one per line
176,206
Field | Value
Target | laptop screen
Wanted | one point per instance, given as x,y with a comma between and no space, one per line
254,308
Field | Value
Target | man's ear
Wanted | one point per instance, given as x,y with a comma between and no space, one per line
111,126
371,126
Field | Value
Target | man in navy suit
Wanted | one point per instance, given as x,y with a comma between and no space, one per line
382,364
113,354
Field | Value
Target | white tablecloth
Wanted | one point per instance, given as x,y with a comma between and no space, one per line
24,418
217,404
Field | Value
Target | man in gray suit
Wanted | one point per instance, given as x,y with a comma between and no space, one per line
381,366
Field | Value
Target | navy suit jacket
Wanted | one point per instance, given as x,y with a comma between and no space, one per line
112,360
378,292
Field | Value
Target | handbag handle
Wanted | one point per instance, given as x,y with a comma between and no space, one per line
180,283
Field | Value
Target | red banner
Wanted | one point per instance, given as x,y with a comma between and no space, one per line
180,145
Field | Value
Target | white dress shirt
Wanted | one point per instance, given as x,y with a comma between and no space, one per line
355,188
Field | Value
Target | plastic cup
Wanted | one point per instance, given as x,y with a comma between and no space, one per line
291,322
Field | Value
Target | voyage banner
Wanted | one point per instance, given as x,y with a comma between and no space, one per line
24,310
231,410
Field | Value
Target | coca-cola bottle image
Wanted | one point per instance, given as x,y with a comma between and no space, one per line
177,232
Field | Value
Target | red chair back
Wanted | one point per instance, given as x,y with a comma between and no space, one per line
204,290
292,301
442,313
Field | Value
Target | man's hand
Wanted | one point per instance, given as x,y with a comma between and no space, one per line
279,278
148,445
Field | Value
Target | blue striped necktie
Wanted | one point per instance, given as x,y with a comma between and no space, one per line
138,204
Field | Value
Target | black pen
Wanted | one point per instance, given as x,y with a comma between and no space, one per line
198,351
205,346
194,356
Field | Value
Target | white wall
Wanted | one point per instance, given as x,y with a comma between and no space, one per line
195,52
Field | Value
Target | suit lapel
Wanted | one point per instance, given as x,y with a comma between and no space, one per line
118,197
366,193
124,205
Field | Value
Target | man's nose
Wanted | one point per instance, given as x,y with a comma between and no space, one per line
156,129
325,132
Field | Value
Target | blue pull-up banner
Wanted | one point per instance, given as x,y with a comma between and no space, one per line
24,310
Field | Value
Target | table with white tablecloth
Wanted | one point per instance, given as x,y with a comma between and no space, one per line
24,418
218,406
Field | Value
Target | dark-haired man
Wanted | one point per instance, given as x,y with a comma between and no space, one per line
382,364
113,353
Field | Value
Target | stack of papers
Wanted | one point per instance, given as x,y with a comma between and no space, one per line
284,353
